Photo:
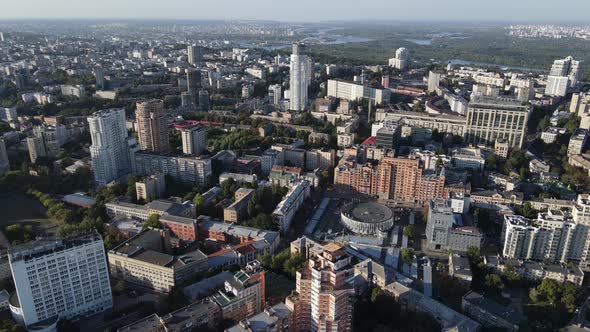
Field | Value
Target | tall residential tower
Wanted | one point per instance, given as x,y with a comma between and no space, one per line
299,78
323,300
152,128
111,150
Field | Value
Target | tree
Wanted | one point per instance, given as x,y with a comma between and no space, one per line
407,255
199,203
153,221
409,231
493,282
491,162
528,211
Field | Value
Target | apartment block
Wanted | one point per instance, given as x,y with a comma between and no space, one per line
187,169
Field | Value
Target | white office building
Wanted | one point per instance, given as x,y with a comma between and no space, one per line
353,91
111,150
57,279
299,78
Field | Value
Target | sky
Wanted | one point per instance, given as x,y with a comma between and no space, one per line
566,11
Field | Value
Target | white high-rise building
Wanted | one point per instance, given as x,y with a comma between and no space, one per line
57,279
193,140
275,94
4,163
557,86
433,81
401,59
565,73
299,78
111,149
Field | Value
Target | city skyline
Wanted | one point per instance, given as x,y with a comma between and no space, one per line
347,10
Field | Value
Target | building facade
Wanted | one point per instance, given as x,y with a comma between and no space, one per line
353,91
492,119
59,279
112,151
187,169
193,140
299,78
152,127
323,300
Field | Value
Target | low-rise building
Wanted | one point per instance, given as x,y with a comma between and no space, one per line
146,260
490,313
180,227
468,158
536,271
238,209
549,135
413,300
196,315
238,177
459,268
122,206
277,318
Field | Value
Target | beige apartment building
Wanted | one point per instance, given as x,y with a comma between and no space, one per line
152,128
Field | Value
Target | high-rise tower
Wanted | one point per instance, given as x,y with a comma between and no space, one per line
111,149
299,78
152,128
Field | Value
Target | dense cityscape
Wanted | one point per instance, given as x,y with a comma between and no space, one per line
267,176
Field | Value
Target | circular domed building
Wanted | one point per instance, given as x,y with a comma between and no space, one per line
367,218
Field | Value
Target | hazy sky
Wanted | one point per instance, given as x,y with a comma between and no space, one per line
304,10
